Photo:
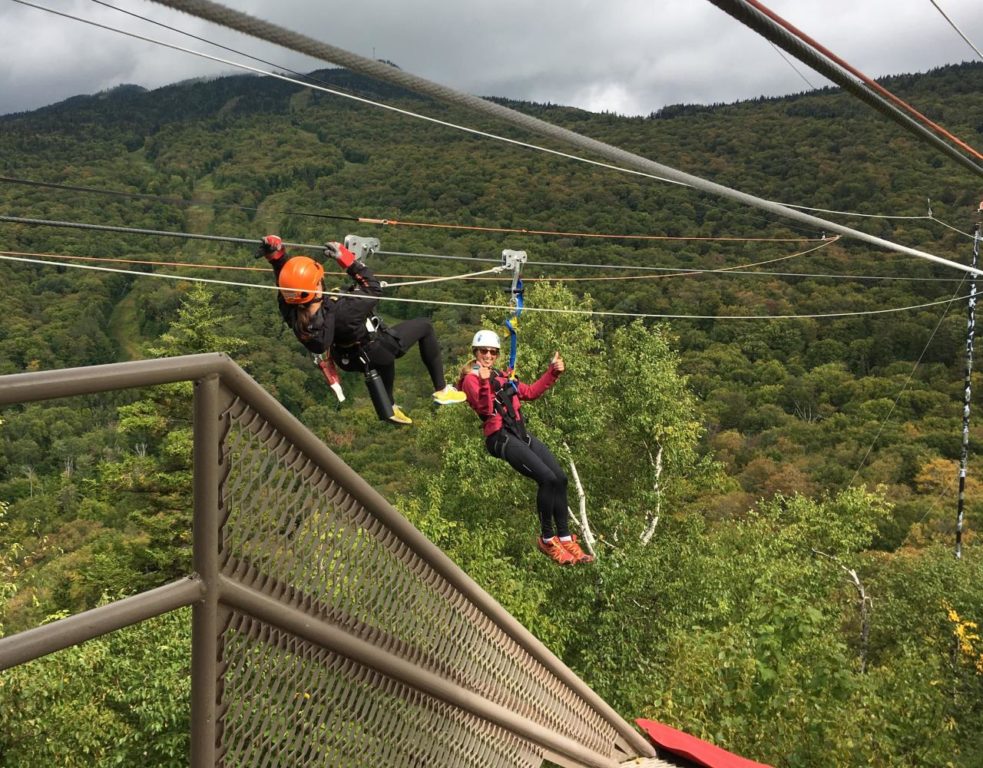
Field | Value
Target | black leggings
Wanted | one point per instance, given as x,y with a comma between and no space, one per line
397,342
535,460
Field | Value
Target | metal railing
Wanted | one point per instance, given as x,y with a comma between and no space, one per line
327,630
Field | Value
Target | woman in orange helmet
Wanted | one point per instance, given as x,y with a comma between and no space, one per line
346,325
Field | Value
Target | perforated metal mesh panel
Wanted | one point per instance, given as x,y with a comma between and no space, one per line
294,534
293,704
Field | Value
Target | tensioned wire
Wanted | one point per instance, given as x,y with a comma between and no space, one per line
452,225
967,234
5,256
852,213
350,96
205,40
911,374
632,164
958,31
188,235
672,271
775,29
401,223
308,76
688,273
873,85
423,279
393,222
248,241
527,231
923,217
784,58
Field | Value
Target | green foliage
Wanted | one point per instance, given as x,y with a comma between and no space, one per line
121,699
196,328
769,661
736,472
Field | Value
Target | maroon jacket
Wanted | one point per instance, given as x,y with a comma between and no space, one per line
481,397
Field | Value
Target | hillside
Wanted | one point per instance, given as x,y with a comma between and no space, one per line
291,156
833,428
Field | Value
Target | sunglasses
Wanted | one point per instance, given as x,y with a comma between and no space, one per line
486,351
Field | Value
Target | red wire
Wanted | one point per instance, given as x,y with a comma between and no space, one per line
523,231
877,87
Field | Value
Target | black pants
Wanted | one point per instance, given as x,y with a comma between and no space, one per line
395,342
535,460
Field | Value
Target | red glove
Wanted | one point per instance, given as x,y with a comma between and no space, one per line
271,248
339,253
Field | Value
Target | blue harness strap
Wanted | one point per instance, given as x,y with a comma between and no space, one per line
512,323
514,260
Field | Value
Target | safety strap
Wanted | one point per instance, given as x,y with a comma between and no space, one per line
511,420
514,260
512,323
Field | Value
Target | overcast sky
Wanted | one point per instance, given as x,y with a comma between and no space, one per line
625,56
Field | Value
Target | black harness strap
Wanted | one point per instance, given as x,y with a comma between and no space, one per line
511,420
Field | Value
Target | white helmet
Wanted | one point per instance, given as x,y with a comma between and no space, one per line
486,339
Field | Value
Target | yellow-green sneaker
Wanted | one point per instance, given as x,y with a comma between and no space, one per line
399,417
448,395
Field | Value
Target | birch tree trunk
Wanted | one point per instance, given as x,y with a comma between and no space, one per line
652,516
587,536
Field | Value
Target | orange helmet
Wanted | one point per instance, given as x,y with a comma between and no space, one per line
300,280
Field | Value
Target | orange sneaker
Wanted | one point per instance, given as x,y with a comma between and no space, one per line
579,556
555,550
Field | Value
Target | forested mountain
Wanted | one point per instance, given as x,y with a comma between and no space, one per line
774,497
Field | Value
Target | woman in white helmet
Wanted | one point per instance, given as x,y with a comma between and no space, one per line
497,400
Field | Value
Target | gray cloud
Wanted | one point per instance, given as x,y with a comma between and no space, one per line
625,56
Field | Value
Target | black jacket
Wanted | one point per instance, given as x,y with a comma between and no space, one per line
340,323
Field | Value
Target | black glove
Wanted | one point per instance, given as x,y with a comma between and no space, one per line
271,248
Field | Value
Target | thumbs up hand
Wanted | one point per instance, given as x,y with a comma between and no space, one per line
557,363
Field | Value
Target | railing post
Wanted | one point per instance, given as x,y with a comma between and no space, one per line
204,617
